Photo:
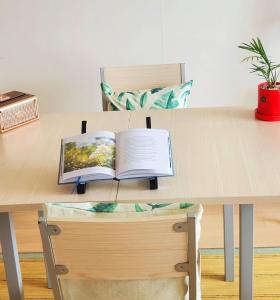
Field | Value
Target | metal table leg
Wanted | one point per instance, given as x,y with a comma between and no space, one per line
228,242
10,257
246,248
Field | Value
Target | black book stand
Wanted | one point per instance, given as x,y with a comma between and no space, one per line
81,186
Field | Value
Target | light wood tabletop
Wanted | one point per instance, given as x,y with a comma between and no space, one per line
221,155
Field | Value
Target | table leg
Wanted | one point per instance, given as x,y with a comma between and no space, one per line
10,257
228,242
246,248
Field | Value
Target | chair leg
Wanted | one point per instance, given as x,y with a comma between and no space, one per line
228,242
48,255
47,272
41,215
192,287
199,265
193,257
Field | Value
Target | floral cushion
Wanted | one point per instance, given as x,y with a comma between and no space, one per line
121,209
157,98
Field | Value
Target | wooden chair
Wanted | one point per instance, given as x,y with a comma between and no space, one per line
151,76
163,246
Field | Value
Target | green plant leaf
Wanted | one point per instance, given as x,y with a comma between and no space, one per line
159,103
189,83
184,97
158,205
104,207
138,208
155,90
262,65
129,105
143,99
185,205
167,96
120,96
106,89
113,107
171,102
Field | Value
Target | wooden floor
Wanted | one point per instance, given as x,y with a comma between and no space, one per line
266,233
266,286
266,278
266,226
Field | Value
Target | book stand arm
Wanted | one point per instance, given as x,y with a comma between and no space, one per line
81,186
153,181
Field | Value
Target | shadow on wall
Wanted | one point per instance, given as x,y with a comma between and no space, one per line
266,13
266,21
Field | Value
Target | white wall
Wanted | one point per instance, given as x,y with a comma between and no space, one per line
54,48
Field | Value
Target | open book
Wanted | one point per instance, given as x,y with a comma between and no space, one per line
133,153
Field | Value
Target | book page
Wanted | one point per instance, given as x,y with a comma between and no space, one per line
89,154
143,152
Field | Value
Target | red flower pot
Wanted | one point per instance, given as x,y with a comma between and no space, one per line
268,104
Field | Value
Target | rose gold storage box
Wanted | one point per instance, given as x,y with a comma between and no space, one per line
17,109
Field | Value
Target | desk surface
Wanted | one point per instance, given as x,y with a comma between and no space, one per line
221,155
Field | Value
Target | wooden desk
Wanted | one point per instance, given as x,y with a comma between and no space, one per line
221,155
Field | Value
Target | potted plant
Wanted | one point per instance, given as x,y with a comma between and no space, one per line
268,91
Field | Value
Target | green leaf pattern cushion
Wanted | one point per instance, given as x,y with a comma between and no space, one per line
114,207
157,98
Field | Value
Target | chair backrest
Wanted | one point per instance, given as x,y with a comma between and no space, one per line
142,77
122,249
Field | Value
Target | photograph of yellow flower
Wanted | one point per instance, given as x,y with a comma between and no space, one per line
100,152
